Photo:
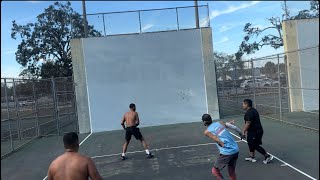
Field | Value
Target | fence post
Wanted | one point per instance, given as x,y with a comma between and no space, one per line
223,96
279,86
17,108
8,113
208,15
236,83
140,21
36,108
55,103
254,85
104,25
287,82
177,18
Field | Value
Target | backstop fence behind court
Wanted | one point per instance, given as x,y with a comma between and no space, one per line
272,82
32,108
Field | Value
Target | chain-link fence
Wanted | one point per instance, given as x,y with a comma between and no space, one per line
34,108
141,21
272,82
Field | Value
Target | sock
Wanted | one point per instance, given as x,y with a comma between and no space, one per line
252,157
122,154
147,151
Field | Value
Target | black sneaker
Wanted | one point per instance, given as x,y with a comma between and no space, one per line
149,156
123,157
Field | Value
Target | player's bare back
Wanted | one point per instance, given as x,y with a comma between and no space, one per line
70,166
131,118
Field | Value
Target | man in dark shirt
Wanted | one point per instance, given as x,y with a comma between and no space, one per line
254,131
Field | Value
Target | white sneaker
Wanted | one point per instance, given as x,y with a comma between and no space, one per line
251,159
268,159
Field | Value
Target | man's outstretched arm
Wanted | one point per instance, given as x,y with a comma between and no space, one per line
235,128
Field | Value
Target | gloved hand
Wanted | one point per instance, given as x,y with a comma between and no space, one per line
242,136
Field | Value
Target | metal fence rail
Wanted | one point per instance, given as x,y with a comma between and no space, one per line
32,108
265,80
140,21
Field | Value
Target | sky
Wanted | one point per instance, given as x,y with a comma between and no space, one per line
227,19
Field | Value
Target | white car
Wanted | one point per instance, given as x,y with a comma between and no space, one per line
255,83
272,82
248,84
28,102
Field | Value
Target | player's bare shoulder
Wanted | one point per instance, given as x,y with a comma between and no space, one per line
56,162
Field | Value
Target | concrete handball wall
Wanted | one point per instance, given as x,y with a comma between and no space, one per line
162,73
303,66
80,81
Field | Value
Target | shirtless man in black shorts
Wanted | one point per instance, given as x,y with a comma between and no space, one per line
71,164
131,119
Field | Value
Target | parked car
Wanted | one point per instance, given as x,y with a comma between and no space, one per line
271,82
25,103
248,84
256,83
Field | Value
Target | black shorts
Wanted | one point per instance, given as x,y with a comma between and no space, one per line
226,160
254,139
133,131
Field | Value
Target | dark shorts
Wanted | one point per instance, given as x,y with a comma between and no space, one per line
133,131
254,139
226,160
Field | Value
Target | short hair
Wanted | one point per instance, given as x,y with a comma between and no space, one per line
132,105
248,102
206,118
70,139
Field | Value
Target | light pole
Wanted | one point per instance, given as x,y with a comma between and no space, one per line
286,10
196,13
85,22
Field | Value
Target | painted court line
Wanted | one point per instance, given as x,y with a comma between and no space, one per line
312,112
79,145
157,149
287,164
291,123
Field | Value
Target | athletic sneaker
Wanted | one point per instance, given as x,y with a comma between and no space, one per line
268,159
251,159
123,157
149,156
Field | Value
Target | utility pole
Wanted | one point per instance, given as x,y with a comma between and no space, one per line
196,13
286,10
85,22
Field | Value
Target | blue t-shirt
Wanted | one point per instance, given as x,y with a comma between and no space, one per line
230,145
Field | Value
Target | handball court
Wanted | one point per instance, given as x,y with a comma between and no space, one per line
181,152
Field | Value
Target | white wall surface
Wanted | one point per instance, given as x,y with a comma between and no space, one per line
308,36
162,73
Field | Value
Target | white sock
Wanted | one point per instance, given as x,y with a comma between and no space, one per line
123,154
147,151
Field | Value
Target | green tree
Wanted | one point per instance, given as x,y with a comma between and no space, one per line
269,68
48,40
226,63
255,37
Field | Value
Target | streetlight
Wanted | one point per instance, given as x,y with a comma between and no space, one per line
85,22
196,13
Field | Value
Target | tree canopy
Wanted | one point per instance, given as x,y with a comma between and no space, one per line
256,37
45,50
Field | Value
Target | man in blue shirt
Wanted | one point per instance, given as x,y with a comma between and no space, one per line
228,147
